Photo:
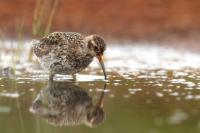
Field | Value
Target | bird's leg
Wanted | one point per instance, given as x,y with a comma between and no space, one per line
74,77
51,76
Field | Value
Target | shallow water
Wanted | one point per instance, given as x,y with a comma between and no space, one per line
150,90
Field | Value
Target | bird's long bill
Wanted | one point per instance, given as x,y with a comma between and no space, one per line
100,58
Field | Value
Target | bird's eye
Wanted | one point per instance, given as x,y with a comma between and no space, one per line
96,48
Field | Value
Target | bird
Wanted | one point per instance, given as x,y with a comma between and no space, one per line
66,104
69,52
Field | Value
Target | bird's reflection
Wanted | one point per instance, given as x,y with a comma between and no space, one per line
66,104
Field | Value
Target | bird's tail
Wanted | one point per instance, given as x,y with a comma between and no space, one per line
34,44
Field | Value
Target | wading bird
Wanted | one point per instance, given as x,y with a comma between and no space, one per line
69,52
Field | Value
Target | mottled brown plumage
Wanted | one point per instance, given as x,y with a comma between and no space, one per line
68,52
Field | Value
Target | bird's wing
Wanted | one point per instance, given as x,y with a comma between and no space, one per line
63,39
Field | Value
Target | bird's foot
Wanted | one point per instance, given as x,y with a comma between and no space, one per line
51,76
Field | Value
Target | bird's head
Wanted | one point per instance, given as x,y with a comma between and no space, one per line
97,46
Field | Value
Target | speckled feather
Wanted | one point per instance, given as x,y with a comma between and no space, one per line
63,52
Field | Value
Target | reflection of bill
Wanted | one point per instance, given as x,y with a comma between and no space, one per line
63,103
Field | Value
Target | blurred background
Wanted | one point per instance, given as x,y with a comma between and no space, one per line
136,20
152,62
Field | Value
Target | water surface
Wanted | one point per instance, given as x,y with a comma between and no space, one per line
150,90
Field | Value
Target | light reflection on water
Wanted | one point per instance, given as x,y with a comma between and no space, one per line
150,90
